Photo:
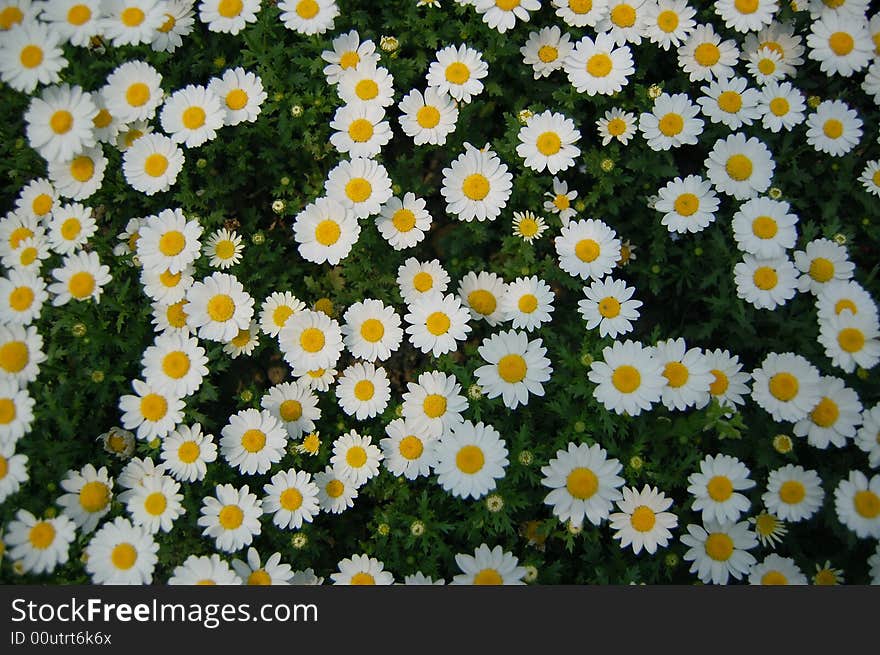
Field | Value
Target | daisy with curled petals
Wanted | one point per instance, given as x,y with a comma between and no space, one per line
616,124
482,294
131,22
311,340
821,262
515,367
254,572
457,72
155,504
326,231
434,403
186,452
870,177
765,283
583,482
470,459
740,167
16,412
587,249
730,102
688,204
686,372
80,176
868,437
628,378
121,553
348,52
224,248
253,440
363,390
776,570
834,128
416,279
40,544
841,45
276,309
851,340
295,405
179,19
489,567
581,13
336,493
793,493
204,570
192,116
152,412
477,185
547,142
715,488
360,130
527,303
308,16
668,23
559,201
291,498
75,21
87,498
408,450
81,276
228,16
361,185
729,383
437,323
501,15
175,364
355,458
22,294
599,67
31,54
610,307
704,56
58,122
746,15
133,91
786,386
428,117
834,419
231,517
371,330
241,94
21,353
70,228
643,521
219,307
672,122
403,223
857,503
764,227
362,570
546,50
151,165
718,551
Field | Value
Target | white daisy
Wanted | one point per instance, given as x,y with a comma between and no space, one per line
776,570
834,128
131,22
367,85
22,294
616,124
335,492
840,295
718,551
253,440
291,498
470,458
408,450
587,249
668,23
228,16
295,405
457,72
179,21
326,230
851,340
192,115
80,176
434,403
156,503
628,378
868,437
152,412
739,167
437,323
477,185
704,56
276,309
87,501
428,117
58,122
152,164
482,294
363,390
834,418
516,367
609,306
765,228
133,91
348,52
546,50
218,307
13,469
416,279
166,287
30,54
361,185
821,262
121,553
730,384
502,15
625,21
643,521
715,488
730,102
686,372
360,130
599,66
560,199
793,493
527,303
311,340
187,451
254,572
21,353
308,16
231,517
75,21
841,44
581,13
787,386
175,364
403,223
746,15
204,570
70,227
16,412
547,142
224,248
355,458
241,93
489,567
362,570
371,330
688,204
39,544
857,503
870,177
672,122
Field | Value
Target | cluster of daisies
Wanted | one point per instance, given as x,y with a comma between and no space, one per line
432,438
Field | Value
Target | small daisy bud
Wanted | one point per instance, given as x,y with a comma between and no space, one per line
155,443
97,377
299,540
475,392
417,528
398,411
862,373
135,260
494,503
586,359
580,426
19,144
574,528
525,458
396,188
655,269
296,111
278,206
524,116
671,560
51,513
531,573
201,162
324,305
389,43
783,444
258,239
636,463
654,91
814,101
51,486
383,529
775,193
278,96
219,62
246,396
580,205
284,181
698,251
840,239
607,165
78,330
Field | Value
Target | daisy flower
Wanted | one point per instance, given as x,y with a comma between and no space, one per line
408,450
729,385
786,386
776,570
686,372
764,65
715,488
75,21
80,277
482,293
857,503
363,390
22,294
253,572
643,521
192,116
870,177
58,122
419,578
152,412
80,176
203,570
336,493
118,442
152,164
120,553
231,517
840,295
851,340
291,498
155,504
362,570
30,54
581,13
179,20
841,44
428,117
70,227
598,66
29,257
547,142
13,468
131,22
361,186
167,287
616,124
871,83
587,249
15,12
295,405
739,167
253,440
730,102
625,21
527,302
404,223
821,262
843,8
436,323
170,318
765,228
87,501
457,72
133,91
560,200
527,226
793,493
488,567
326,230
355,458
668,23
672,123
470,458
609,306
515,368
241,94
360,130
834,128
228,16
276,309
311,340
768,529
186,452
477,185
834,418
628,378
546,50
218,307
688,204
367,85
704,56
868,437
746,15
36,199
434,403
15,228
175,364
21,353
39,544
348,52
781,39
224,248
501,15
416,279
308,16
168,241
16,412
371,330
718,551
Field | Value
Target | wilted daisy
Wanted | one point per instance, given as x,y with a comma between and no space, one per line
857,503
715,488
704,56
361,186
80,176
428,117
547,142
643,521
470,458
587,249
152,164
764,227
311,340
628,378
231,517
155,504
362,570
527,302
186,452
718,551
488,567
730,102
404,222
88,495
169,241
336,493
851,340
308,16
22,294
457,72
688,204
841,44
291,498
516,367
179,17
348,52
39,544
21,353
477,185
133,91
58,122
80,277
821,262
118,442
241,94
671,123
408,450
218,307
254,572
739,167
16,412
793,493
204,570
131,22
363,390
787,386
598,66
546,50
121,553
776,570
30,54
668,22
228,16
75,21
152,412
436,323
276,309
834,128
253,440
560,200
834,418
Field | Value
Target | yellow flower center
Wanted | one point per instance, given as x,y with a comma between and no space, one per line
358,189
512,368
153,407
821,269
616,127
784,386
253,440
766,524
792,492
281,314
719,546
360,130
825,577
362,578
867,504
82,168
488,577
176,364
349,59
172,243
766,66
372,330
188,452
132,16
327,232
841,43
193,118
41,205
434,405
411,447
312,340
356,457
81,285
137,94
334,488
423,281
221,308
746,6
21,298
667,21
626,378
548,53
707,54
851,340
7,416
14,356
225,249
307,9
403,220
833,128
739,167
719,384
155,165
123,556
70,229
41,535
599,65
845,303
671,124
587,250
259,578
102,119
155,503
549,144
94,496
168,25
528,303
438,323
686,204
825,414
31,56
580,6
230,8
774,578
482,301
291,499
428,117
10,16
643,519
609,307
366,89
676,374
175,314
236,99
475,186
364,390
470,459
231,517
18,235
507,5
290,410
61,121
457,73
528,227
764,227
169,279
720,488
623,15
28,255
582,483
561,201
730,101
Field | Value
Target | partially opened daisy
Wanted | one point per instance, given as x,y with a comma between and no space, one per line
156,503
704,56
628,378
821,262
40,544
434,403
560,199
355,458
152,412
81,276
204,570
488,567
88,495
527,303
308,16
80,176
672,122
740,167
841,44
30,54
583,482
152,164
787,386
360,130
688,204
362,570
218,307
598,66
58,122
241,94
457,72
361,185
547,141
133,91
477,185
231,517
834,419
192,115
502,15
470,459
408,450
834,128
21,353
224,248
311,340
643,521
765,228
793,493
349,51
371,330
516,367
546,50
851,340
587,248
131,22
228,16
482,293
121,553
436,323
363,390
254,572
668,23
291,498
715,488
336,493
730,102
22,294
187,451
718,551
404,222
857,503
326,231
253,440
